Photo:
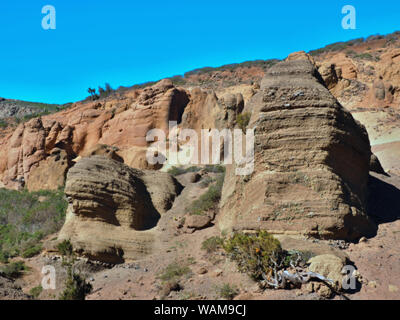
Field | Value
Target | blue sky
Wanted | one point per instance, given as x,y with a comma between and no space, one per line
127,42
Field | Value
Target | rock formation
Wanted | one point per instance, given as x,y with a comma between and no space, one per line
50,173
122,123
311,162
112,208
117,127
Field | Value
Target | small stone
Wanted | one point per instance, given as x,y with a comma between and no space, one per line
255,288
309,287
324,292
195,177
202,270
363,239
372,284
356,274
197,221
393,288
217,272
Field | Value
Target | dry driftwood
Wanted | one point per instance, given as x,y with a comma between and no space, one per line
281,278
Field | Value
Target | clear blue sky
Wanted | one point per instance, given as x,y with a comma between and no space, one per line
127,42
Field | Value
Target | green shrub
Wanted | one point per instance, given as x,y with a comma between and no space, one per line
253,253
209,200
243,120
76,287
178,80
36,291
227,291
25,220
32,251
205,182
3,124
4,257
212,244
14,269
364,56
215,168
174,270
65,248
264,64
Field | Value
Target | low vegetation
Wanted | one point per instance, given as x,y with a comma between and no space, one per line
264,64
180,80
174,271
390,38
26,218
37,109
243,120
36,291
212,244
13,269
253,253
65,248
75,287
32,251
228,292
101,92
209,200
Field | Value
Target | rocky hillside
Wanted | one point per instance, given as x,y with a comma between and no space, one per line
23,110
322,122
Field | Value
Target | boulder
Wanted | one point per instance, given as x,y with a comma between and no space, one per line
330,266
197,221
113,208
194,177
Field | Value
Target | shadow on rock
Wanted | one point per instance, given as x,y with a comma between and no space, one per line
384,198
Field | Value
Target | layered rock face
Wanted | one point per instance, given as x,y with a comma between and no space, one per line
112,208
121,122
311,162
